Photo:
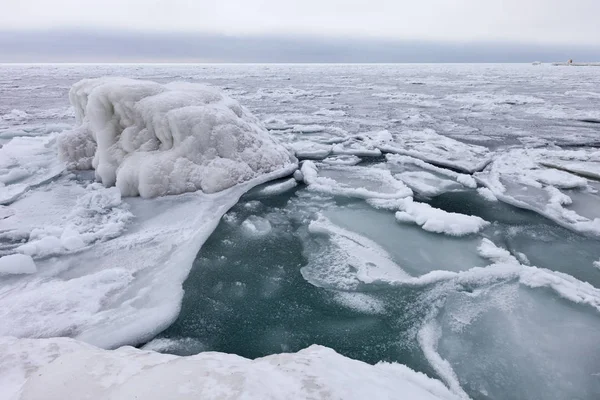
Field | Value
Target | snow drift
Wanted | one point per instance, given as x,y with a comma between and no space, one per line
151,140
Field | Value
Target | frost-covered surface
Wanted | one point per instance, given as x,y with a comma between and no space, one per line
511,301
127,373
151,140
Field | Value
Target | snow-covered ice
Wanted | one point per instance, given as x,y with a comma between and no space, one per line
51,364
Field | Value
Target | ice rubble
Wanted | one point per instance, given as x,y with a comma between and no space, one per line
520,177
151,140
59,368
65,219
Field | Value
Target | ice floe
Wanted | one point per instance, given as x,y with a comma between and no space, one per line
431,147
362,182
519,177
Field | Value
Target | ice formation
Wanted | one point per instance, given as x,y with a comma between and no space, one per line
362,182
347,260
151,140
59,368
521,177
435,220
431,147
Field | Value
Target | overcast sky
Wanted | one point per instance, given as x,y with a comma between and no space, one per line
524,24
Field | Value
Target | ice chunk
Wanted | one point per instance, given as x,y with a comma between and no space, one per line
17,264
310,150
154,139
357,148
342,160
426,183
255,226
436,220
463,179
436,149
278,188
362,182
487,194
346,259
58,368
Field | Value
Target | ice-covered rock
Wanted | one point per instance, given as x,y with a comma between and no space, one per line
150,139
53,369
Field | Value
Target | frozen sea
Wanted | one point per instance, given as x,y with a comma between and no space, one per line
446,217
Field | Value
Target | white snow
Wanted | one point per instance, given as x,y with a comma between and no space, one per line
436,220
17,264
487,194
152,139
59,368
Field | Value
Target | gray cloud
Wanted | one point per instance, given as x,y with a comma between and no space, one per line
565,22
119,46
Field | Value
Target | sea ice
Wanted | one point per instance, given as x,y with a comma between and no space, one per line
435,220
518,177
362,182
433,148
